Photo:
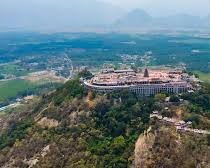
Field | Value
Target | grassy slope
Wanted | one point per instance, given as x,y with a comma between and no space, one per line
11,88
203,76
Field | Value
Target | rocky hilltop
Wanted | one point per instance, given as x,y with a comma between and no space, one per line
167,148
71,127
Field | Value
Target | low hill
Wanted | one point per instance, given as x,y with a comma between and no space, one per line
141,19
181,21
71,127
136,17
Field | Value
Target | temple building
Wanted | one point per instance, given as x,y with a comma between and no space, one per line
149,82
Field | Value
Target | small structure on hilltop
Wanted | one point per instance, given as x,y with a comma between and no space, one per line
180,125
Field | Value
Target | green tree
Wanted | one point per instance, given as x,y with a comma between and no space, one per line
118,145
160,97
1,76
174,99
208,138
85,74
71,89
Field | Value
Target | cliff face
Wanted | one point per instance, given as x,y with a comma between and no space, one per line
142,150
165,148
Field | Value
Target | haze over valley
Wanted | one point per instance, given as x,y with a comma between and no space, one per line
70,15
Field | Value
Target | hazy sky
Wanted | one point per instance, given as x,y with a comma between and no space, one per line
65,13
166,7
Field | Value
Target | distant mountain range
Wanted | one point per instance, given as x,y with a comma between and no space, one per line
136,17
140,18
67,14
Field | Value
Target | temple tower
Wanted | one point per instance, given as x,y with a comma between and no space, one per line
146,73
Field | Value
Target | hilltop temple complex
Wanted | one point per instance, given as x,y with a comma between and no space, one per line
145,83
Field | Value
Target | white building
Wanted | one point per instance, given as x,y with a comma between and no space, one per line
142,84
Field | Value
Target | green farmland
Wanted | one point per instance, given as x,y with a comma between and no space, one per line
11,88
13,69
203,76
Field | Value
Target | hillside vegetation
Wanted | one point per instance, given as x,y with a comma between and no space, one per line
71,127
93,130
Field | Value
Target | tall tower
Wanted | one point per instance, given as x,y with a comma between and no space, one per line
146,73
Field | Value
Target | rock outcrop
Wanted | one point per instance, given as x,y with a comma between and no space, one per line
164,147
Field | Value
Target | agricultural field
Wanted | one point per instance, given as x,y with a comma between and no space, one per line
25,54
203,76
11,88
41,51
13,69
